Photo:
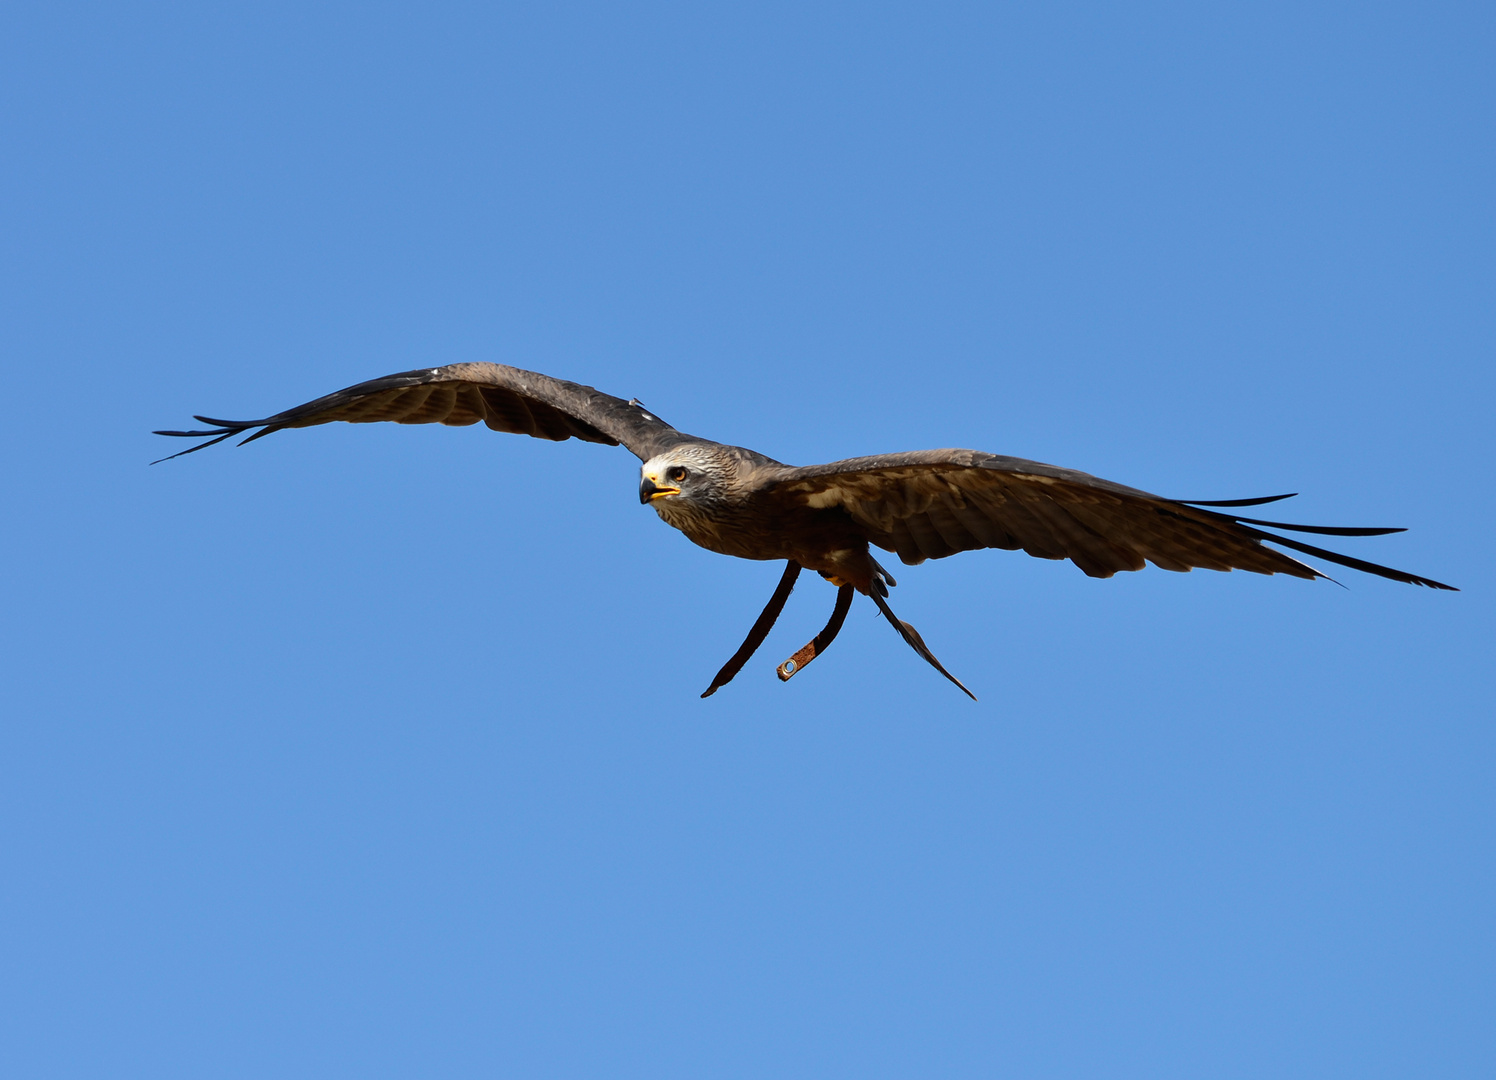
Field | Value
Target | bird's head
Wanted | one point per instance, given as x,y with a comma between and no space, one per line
687,476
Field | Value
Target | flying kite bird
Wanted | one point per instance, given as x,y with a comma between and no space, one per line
921,505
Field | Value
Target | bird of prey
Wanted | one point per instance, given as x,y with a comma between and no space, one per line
921,505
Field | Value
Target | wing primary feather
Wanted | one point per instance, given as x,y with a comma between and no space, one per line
1238,502
1324,530
1347,560
268,429
192,449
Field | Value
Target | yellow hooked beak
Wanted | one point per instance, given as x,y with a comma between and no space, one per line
649,490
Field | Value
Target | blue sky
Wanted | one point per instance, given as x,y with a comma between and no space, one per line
377,751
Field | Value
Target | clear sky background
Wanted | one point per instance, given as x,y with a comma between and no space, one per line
377,751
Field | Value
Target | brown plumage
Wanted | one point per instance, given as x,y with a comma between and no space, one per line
922,505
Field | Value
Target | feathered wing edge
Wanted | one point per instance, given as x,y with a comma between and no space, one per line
504,398
805,480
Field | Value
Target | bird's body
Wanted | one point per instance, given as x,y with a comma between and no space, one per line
827,518
734,513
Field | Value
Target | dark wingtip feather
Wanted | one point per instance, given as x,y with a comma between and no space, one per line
1192,502
192,449
1352,562
1247,526
268,429
1324,530
223,429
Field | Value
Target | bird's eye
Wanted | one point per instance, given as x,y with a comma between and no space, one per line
676,474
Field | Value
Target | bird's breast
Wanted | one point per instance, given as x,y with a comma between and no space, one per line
756,530
714,528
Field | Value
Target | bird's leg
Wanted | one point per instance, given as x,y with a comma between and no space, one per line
759,630
917,643
818,645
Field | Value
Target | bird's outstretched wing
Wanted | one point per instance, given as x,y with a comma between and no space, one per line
933,503
504,398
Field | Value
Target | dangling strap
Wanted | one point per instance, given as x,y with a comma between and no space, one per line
917,643
818,645
759,631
